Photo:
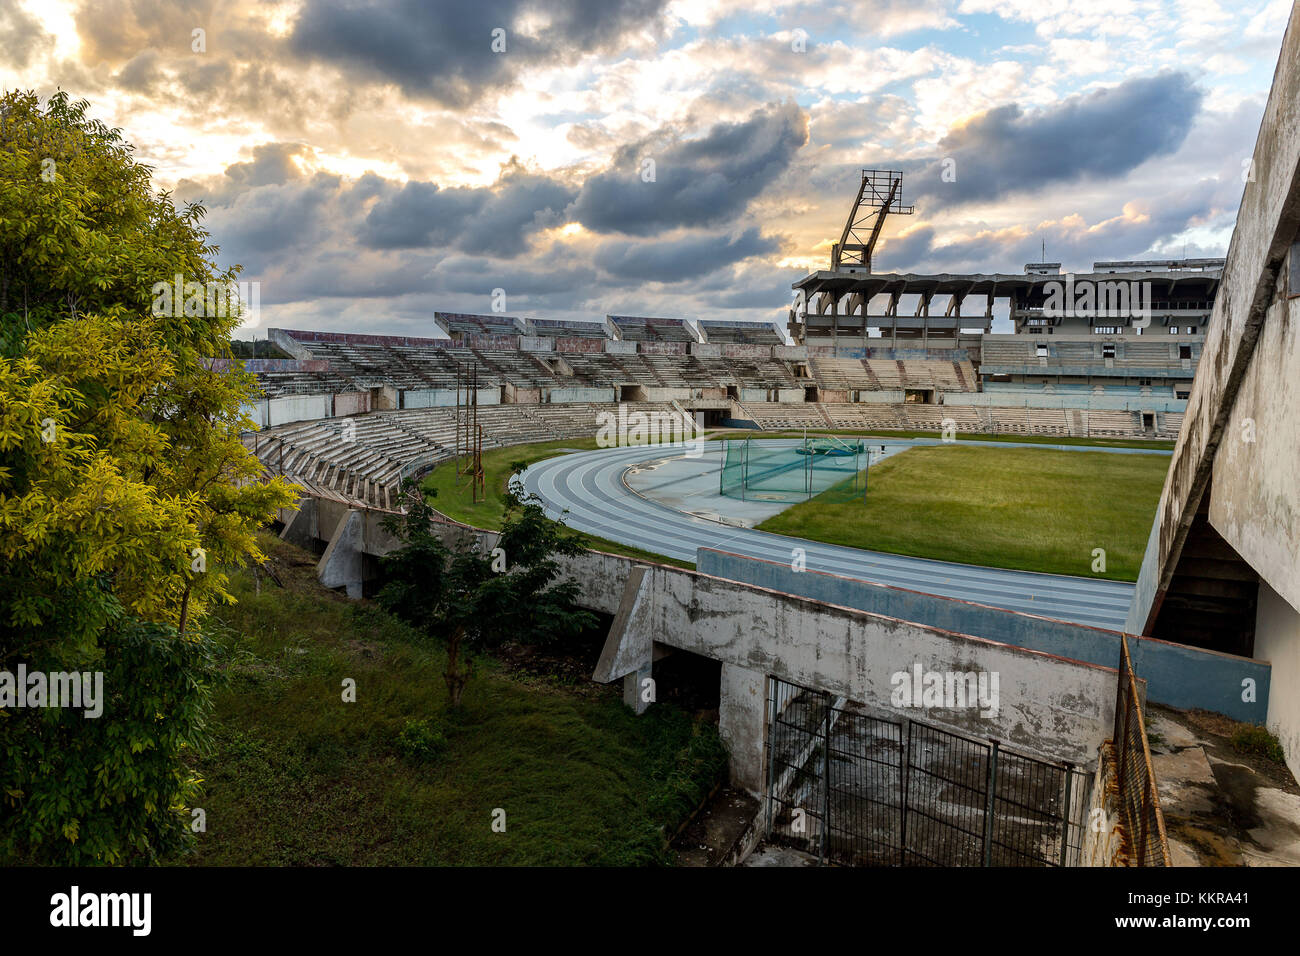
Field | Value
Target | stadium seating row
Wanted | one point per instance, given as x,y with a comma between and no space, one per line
993,420
361,458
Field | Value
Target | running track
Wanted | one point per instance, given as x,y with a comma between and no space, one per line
589,485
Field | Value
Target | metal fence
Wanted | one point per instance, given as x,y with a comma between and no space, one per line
864,790
1143,839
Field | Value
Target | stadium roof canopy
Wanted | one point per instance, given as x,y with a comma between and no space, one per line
839,284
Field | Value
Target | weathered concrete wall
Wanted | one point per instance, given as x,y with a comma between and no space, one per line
1025,398
428,397
558,396
611,347
351,403
533,343
1255,502
1049,706
662,348
514,395
789,395
1277,639
1267,222
1176,675
1239,437
1056,708
753,353
585,345
658,393
441,397
706,350
790,353
298,408
491,343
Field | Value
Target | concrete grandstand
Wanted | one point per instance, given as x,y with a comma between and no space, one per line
1111,354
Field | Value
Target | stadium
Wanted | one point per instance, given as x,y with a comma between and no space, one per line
787,515
960,502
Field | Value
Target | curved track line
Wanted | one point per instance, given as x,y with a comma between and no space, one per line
589,486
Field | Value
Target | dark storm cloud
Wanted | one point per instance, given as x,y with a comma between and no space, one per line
697,182
262,224
1093,136
272,164
671,260
497,220
444,51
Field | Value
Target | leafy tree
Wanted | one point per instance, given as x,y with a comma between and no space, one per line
125,489
478,601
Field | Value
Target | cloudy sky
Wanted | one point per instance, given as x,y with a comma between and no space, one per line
370,161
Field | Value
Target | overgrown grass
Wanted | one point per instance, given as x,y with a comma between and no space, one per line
1257,740
299,777
455,497
1021,508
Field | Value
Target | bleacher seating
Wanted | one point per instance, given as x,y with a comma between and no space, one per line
636,328
740,333
566,329
360,458
461,323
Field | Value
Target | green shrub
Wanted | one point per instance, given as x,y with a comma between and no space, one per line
1255,739
422,741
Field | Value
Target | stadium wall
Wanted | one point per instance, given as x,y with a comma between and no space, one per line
1176,675
565,396
1239,444
441,397
1009,398
1053,707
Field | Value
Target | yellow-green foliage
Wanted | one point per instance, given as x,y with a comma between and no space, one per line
125,491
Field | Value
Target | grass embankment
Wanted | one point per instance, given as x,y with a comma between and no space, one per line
454,496
1028,509
299,777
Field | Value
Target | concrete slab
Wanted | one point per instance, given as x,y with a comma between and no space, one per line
770,855
1221,808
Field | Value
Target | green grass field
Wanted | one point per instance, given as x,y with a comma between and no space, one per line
1023,508
454,496
299,777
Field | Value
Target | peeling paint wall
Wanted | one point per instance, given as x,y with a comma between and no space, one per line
1277,639
1048,706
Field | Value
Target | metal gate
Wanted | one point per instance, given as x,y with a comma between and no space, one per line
864,790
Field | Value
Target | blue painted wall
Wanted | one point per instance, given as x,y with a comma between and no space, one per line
1176,675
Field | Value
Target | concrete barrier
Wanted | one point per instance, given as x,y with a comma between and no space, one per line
1176,675
1049,706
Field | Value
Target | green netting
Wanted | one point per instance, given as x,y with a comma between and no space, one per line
780,471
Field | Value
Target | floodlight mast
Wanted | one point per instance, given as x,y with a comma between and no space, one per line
879,194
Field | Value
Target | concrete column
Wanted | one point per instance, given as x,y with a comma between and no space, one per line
635,690
300,526
340,565
742,724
